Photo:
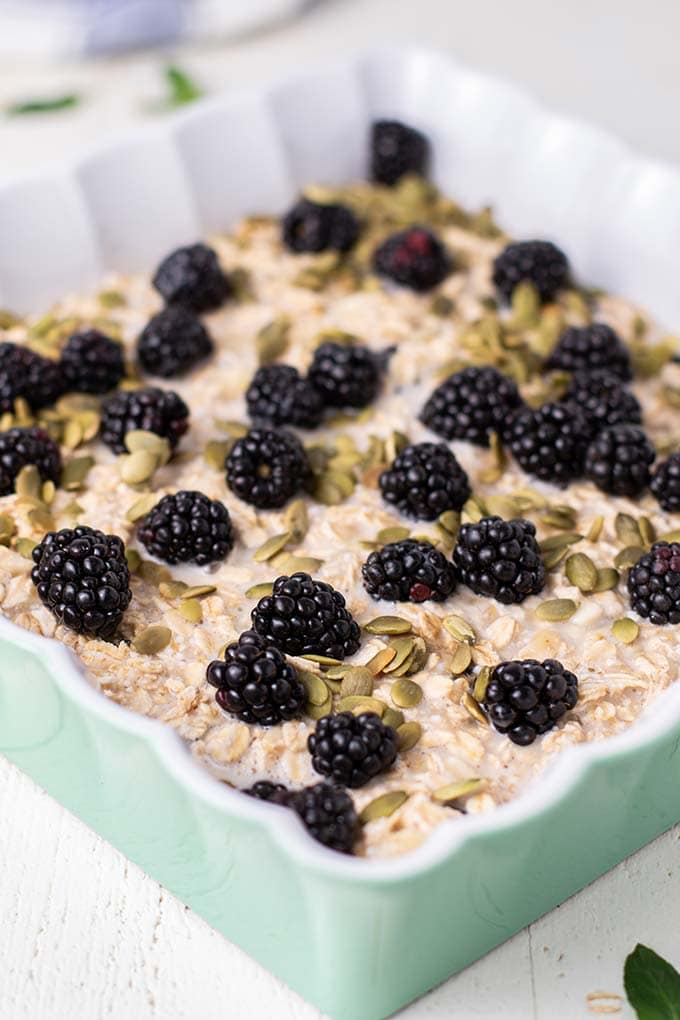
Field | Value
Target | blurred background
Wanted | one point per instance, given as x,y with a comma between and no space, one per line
75,71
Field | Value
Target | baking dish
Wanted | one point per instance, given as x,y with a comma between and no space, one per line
358,938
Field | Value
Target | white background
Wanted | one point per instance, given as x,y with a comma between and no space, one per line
83,932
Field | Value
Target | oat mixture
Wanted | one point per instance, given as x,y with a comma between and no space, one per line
284,303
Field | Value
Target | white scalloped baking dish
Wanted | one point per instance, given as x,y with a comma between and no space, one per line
359,938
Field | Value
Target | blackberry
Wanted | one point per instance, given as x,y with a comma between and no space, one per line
550,442
591,347
192,277
82,576
255,682
665,484
346,375
500,559
22,446
313,227
187,528
424,480
306,617
92,362
526,697
278,395
151,410
328,814
265,468
618,460
654,584
539,262
414,258
273,793
603,399
173,342
408,571
23,373
396,150
352,749
470,404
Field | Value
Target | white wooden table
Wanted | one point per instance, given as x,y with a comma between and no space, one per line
84,933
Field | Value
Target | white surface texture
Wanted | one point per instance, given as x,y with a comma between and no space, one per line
85,933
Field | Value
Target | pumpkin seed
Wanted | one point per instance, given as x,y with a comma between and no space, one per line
342,480
383,658
559,541
25,547
481,683
628,530
271,547
498,463
408,735
459,628
456,791
41,518
138,467
154,573
361,703
198,590
302,564
172,589
670,536
406,693
326,491
142,506
442,306
272,340
383,806
526,305
388,625
393,717
554,556
357,681
461,658
559,517
323,660
556,610
317,691
394,444
111,299
501,506
260,591
647,530
607,579
138,439
75,472
8,320
595,529
337,672
403,646
581,571
393,534
234,429
296,520
72,435
319,711
216,452
134,560
473,708
333,685
450,522
152,640
28,483
191,610
625,630
7,529
628,557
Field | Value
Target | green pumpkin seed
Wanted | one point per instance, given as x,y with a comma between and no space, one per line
442,306
559,517
406,693
456,791
559,541
8,320
28,483
25,547
393,717
628,530
216,453
326,491
272,340
302,564
607,579
323,660
581,571
134,560
138,467
388,625
393,534
111,299
260,591
337,672
7,529
381,659
450,522
670,536
556,610
271,547
142,506
319,711
526,305
152,640
403,646
481,684
625,630
408,735
296,520
359,703
395,443
628,557
191,610
41,518
72,435
75,472
459,628
197,591
357,681
317,691
554,556
461,658
595,529
473,708
172,589
383,806
154,573
234,429
647,530
501,506
139,439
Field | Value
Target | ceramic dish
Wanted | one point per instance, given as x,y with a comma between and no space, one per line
357,937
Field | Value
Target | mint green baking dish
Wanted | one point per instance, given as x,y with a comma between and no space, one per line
358,938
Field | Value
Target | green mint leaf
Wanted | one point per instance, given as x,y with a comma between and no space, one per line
43,105
652,985
182,88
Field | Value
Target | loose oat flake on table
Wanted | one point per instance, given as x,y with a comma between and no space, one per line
371,493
